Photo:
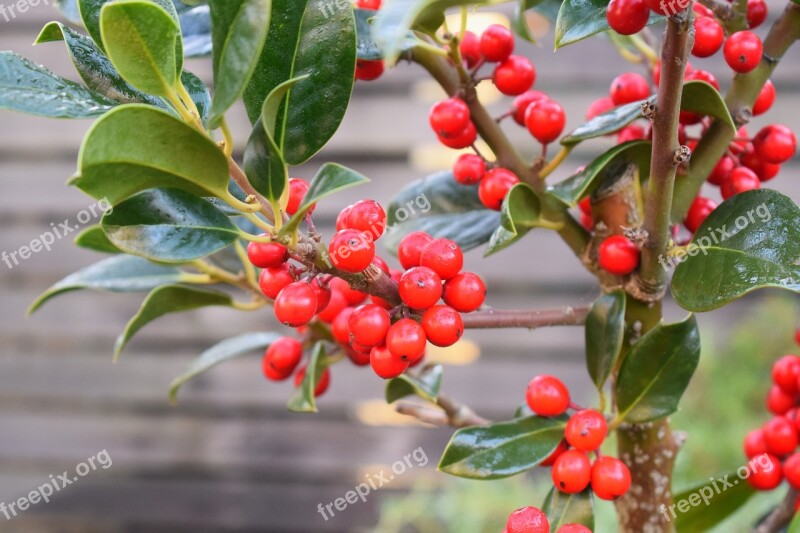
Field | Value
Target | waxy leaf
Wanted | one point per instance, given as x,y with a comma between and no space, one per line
657,370
502,449
579,19
303,399
562,508
426,384
94,238
169,226
366,47
244,344
519,214
701,97
751,241
609,122
501,239
719,502
605,332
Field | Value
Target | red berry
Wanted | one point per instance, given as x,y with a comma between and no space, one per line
791,470
469,169
367,216
497,43
698,212
766,97
780,436
352,296
410,248
598,107
743,51
629,87
778,402
708,37
464,292
610,478
297,191
618,255
775,144
668,8
272,373
406,340
547,395
785,373
464,139
351,251
385,364
740,179
341,219
514,76
627,17
369,69
267,254
527,520
340,327
573,528
545,119
443,325
521,103
585,205
284,354
561,448
765,171
754,443
368,4
470,48
586,430
444,257
449,118
368,325
323,295
769,477
323,382
296,304
703,75
495,186
572,471
272,280
702,11
420,287
631,132
721,170
756,13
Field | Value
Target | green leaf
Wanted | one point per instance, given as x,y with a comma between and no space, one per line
519,214
307,38
750,242
69,8
122,273
239,31
426,384
502,239
519,22
198,91
502,449
442,207
701,97
169,226
794,525
366,47
140,38
579,19
165,300
94,238
606,167
243,344
716,505
114,164
303,399
562,508
605,123
605,332
657,370
30,88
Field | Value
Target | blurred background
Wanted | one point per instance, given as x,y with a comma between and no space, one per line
229,457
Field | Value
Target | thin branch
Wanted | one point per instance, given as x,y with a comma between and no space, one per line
452,413
781,516
526,318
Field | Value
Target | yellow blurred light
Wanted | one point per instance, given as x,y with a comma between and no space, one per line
379,413
461,353
478,21
435,157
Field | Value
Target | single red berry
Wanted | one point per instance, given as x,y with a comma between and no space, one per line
740,179
791,470
757,12
585,205
323,382
297,191
778,402
631,132
545,119
336,303
385,364
464,292
547,395
766,97
470,48
340,327
785,372
769,477
668,8
754,443
358,357
698,212
444,257
410,248
495,186
368,4
272,373
497,43
351,251
775,144
618,255
367,216
586,430
629,87
323,295
627,17
352,296
341,218
463,140
469,169
702,11
368,325
284,354
721,170
272,280
598,107
527,520
520,104
572,471
449,118
420,287
406,340
369,69
573,528
514,76
296,304
610,478
561,448
703,75
765,171
443,325
780,435
743,51
267,254
708,37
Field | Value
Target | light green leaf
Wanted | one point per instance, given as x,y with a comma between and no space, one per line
701,97
303,399
426,384
718,504
94,238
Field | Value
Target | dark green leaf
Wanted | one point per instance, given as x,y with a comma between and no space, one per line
366,47
165,300
605,331
502,239
30,88
608,122
169,226
303,399
701,97
198,91
426,384
579,19
501,449
716,506
562,508
93,238
657,370
243,344
751,241
122,273
521,209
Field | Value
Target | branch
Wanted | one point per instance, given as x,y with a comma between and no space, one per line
531,319
452,413
781,516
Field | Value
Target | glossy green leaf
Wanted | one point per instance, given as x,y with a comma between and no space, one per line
303,399
239,31
751,241
122,273
605,332
426,384
115,164
501,449
140,38
519,22
708,506
701,97
169,226
521,209
502,239
94,238
605,123
366,47
198,91
311,38
794,525
606,167
657,370
562,508
579,19
442,207
32,89
244,344
165,300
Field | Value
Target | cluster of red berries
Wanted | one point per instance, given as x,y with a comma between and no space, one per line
585,432
533,520
369,69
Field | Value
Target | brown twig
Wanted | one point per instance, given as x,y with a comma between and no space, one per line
526,318
452,413
781,516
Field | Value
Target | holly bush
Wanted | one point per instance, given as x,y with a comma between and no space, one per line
192,226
